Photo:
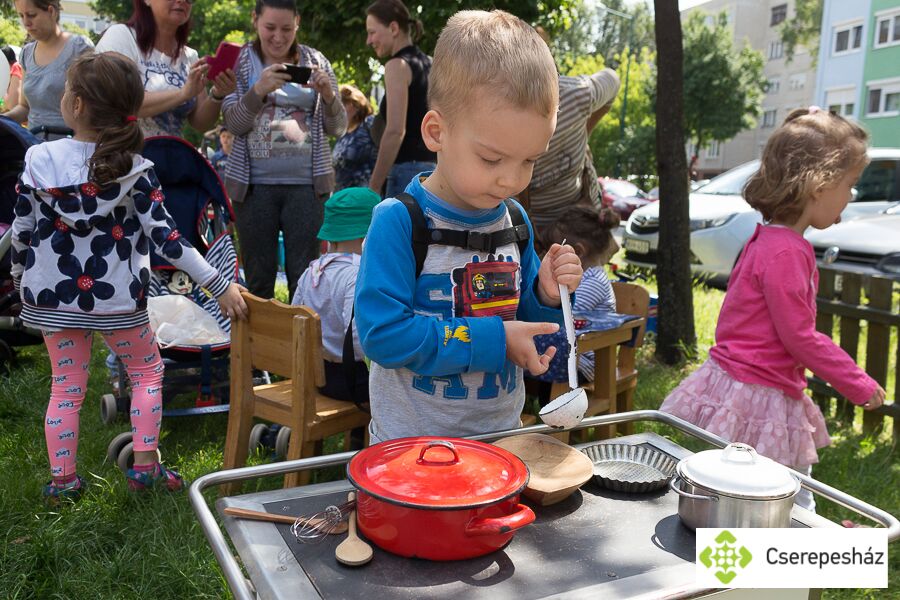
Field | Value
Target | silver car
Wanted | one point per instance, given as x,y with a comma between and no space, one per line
868,244
721,221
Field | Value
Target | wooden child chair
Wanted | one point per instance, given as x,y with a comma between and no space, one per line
286,341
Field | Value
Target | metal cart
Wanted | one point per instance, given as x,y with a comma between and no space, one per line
639,553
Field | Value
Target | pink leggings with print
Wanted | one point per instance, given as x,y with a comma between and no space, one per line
70,357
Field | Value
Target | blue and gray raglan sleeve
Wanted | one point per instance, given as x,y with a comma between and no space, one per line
530,306
390,331
22,229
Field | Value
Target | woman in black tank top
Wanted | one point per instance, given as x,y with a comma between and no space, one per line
401,153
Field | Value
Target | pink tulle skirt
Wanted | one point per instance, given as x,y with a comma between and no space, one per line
787,430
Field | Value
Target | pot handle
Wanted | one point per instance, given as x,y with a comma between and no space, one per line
681,492
434,463
739,453
500,525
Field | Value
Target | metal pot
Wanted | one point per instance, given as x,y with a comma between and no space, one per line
734,487
439,499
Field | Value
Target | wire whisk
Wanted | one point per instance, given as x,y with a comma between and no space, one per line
311,529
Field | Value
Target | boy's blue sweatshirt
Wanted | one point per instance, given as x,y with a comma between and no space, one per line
437,343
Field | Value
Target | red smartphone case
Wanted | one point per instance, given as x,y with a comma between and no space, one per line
225,58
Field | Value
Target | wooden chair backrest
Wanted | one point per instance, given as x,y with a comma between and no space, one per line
270,338
631,299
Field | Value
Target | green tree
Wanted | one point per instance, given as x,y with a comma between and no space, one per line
723,87
636,150
11,31
803,29
337,27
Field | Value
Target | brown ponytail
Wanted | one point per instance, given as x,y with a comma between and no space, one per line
389,11
110,88
584,225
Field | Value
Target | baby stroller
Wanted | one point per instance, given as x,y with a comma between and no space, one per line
196,199
14,142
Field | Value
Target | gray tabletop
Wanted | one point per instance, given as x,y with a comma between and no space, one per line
596,543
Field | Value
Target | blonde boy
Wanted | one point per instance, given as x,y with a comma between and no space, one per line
448,344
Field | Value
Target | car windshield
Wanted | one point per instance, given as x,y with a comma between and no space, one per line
730,183
622,189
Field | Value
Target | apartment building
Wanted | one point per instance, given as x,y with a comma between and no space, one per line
791,84
79,12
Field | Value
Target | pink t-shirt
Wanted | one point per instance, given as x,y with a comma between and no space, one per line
767,327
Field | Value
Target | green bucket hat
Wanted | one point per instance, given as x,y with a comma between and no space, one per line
348,214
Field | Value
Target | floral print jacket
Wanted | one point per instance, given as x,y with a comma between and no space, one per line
81,253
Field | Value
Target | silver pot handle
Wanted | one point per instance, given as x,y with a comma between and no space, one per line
681,492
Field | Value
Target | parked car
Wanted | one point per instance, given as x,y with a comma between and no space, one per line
622,196
869,244
721,221
696,185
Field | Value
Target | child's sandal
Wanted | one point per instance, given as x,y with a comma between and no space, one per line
159,476
55,493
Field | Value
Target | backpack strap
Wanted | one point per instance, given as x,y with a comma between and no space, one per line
423,236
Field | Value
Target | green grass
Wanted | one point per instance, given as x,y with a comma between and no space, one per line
113,544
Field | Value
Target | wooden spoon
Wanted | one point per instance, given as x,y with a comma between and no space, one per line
255,515
353,551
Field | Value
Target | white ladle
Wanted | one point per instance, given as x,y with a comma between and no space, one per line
567,411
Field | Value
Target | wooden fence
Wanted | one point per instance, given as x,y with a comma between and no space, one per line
841,299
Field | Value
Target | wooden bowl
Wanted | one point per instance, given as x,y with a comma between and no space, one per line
556,468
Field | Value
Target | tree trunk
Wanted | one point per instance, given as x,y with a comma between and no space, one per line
676,305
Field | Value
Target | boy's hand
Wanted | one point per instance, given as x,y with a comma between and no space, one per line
231,302
520,346
872,403
560,265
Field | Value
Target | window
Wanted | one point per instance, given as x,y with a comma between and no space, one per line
887,26
846,38
841,100
877,182
776,49
883,99
712,150
797,81
768,119
774,85
779,14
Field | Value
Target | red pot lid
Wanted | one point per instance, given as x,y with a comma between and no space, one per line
437,473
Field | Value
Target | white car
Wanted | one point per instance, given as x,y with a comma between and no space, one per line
721,221
868,244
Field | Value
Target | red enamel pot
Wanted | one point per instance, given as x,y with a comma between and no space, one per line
439,498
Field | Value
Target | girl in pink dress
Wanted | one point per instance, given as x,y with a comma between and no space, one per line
750,389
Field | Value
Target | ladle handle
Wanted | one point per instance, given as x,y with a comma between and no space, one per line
569,322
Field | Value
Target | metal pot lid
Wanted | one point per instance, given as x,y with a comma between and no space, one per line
737,470
437,473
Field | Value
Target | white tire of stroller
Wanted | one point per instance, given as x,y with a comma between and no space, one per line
282,440
125,459
256,435
109,410
116,445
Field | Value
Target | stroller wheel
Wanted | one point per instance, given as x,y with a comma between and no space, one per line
109,410
116,445
256,437
125,459
281,442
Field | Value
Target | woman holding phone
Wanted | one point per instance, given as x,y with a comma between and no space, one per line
155,39
279,172
401,152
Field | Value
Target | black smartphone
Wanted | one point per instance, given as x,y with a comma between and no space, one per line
299,74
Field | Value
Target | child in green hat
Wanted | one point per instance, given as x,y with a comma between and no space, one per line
329,283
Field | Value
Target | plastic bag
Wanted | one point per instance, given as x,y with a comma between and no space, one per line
177,321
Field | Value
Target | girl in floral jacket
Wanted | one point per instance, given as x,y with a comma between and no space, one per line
88,209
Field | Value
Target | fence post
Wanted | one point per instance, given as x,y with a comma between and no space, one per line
878,344
825,324
849,326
